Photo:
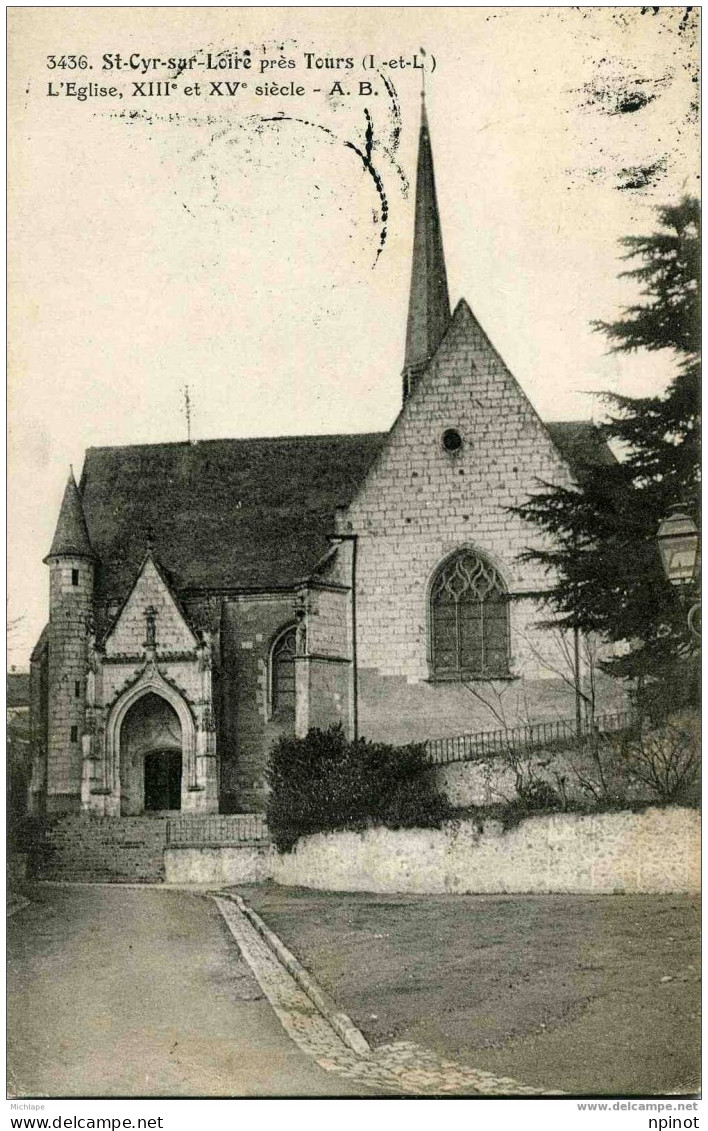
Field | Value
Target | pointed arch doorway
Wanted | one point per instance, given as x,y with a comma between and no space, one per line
151,756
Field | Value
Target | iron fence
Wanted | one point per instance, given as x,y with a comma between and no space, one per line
218,829
536,736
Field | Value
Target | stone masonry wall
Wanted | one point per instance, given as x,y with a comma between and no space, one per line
250,626
654,851
70,607
420,503
392,709
328,670
329,693
129,634
327,623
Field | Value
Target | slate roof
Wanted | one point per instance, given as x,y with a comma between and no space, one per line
221,514
240,514
71,536
429,301
581,443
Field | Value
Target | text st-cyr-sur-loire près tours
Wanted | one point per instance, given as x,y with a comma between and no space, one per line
246,63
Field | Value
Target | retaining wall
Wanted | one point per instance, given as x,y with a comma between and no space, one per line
218,865
657,850
490,780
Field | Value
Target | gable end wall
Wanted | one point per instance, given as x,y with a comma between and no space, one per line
420,504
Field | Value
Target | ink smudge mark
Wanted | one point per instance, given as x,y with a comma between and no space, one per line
369,135
623,178
184,205
395,134
613,91
684,20
637,177
632,101
302,122
365,156
375,176
395,140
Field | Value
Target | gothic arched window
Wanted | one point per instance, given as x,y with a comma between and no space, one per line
282,673
469,619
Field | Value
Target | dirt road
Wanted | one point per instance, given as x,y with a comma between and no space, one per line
118,991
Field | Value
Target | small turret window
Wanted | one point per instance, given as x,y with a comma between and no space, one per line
74,734
74,577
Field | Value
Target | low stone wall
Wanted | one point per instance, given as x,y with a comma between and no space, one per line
218,864
657,850
490,779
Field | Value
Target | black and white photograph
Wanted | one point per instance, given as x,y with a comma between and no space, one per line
353,582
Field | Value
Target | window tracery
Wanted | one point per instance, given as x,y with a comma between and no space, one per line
469,619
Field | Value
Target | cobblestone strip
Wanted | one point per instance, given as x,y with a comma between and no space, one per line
402,1067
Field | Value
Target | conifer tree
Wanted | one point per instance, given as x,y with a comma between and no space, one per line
602,554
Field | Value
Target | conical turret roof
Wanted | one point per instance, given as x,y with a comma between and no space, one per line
429,303
71,537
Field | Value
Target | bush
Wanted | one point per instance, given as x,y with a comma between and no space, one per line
666,760
540,795
324,782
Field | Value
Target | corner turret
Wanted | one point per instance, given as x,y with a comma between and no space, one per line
71,561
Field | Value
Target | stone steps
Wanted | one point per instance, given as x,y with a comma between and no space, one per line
85,847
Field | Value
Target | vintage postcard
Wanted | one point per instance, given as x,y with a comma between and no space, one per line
354,612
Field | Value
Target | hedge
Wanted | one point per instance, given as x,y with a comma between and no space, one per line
324,782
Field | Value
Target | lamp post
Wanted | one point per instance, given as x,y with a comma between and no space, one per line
677,538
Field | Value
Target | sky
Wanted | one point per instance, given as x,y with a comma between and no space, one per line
254,244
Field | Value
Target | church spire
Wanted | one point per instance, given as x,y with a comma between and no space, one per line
429,303
71,537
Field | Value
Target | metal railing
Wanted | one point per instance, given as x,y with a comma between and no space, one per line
218,830
536,736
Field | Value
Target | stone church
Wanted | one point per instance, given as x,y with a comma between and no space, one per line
207,597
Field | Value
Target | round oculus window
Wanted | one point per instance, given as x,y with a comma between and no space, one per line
451,440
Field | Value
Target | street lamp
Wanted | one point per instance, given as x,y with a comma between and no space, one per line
677,538
678,545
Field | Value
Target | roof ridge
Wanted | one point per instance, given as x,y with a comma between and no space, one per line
237,440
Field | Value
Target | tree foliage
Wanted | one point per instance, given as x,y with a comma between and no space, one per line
669,273
602,554
324,782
